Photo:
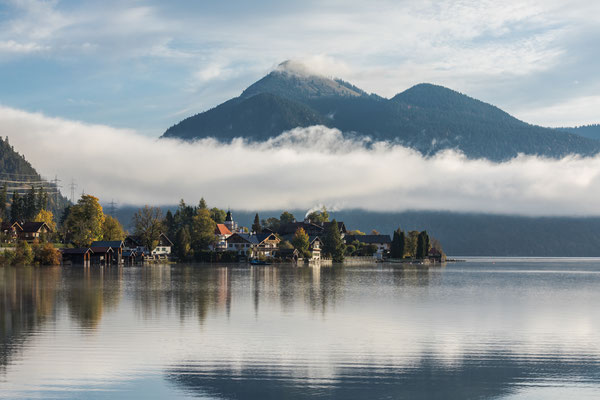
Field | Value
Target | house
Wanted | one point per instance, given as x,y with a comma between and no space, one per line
315,245
33,230
311,228
102,256
11,231
222,233
436,255
129,257
117,246
383,242
253,245
78,256
230,223
290,255
163,249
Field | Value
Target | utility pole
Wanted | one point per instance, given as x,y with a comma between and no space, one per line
112,208
56,180
73,187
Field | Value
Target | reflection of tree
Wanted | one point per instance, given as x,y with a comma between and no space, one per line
27,299
416,275
90,291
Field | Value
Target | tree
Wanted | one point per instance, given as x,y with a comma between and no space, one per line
112,229
29,205
46,254
183,244
85,220
422,245
218,215
410,247
16,207
271,223
333,246
356,232
284,244
398,244
23,254
147,225
256,228
301,242
42,199
202,231
319,216
47,217
3,200
202,204
286,218
169,224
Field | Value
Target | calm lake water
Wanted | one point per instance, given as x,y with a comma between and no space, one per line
502,329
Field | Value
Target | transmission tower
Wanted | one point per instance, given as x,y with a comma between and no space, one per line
56,180
73,186
112,207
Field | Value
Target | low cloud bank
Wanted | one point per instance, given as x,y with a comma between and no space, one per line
298,169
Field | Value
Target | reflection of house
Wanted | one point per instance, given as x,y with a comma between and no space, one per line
11,231
79,256
33,230
259,245
382,242
222,233
117,246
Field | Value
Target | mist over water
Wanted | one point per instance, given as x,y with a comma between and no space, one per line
298,170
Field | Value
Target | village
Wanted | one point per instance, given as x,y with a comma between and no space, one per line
297,242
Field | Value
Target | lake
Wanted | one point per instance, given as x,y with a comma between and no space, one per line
480,329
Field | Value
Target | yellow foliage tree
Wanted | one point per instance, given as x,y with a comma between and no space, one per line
112,229
47,217
85,221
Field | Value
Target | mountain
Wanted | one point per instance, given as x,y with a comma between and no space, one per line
426,117
18,174
588,131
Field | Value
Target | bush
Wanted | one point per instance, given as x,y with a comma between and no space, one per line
23,254
46,254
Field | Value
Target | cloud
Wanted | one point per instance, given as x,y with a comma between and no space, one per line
298,169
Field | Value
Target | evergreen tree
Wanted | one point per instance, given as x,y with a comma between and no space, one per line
3,200
30,205
16,207
398,242
202,204
41,200
183,244
202,231
422,245
256,227
170,224
333,246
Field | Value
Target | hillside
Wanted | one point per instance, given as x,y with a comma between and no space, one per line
588,131
426,117
18,174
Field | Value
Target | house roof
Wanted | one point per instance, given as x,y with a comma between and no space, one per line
221,229
286,252
164,237
9,225
31,227
103,249
369,239
79,250
129,253
108,243
292,227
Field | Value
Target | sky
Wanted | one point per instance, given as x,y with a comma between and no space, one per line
87,88
145,65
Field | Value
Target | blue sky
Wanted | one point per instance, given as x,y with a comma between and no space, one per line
145,65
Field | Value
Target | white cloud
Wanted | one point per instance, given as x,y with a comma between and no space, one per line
298,169
572,112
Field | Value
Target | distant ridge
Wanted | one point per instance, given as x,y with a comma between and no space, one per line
426,117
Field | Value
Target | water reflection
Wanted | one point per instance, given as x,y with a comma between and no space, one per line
229,331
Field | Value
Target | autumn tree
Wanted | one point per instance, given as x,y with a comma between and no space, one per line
202,231
301,242
47,217
319,216
85,220
148,226
112,229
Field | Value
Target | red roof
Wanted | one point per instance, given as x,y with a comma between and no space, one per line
221,229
